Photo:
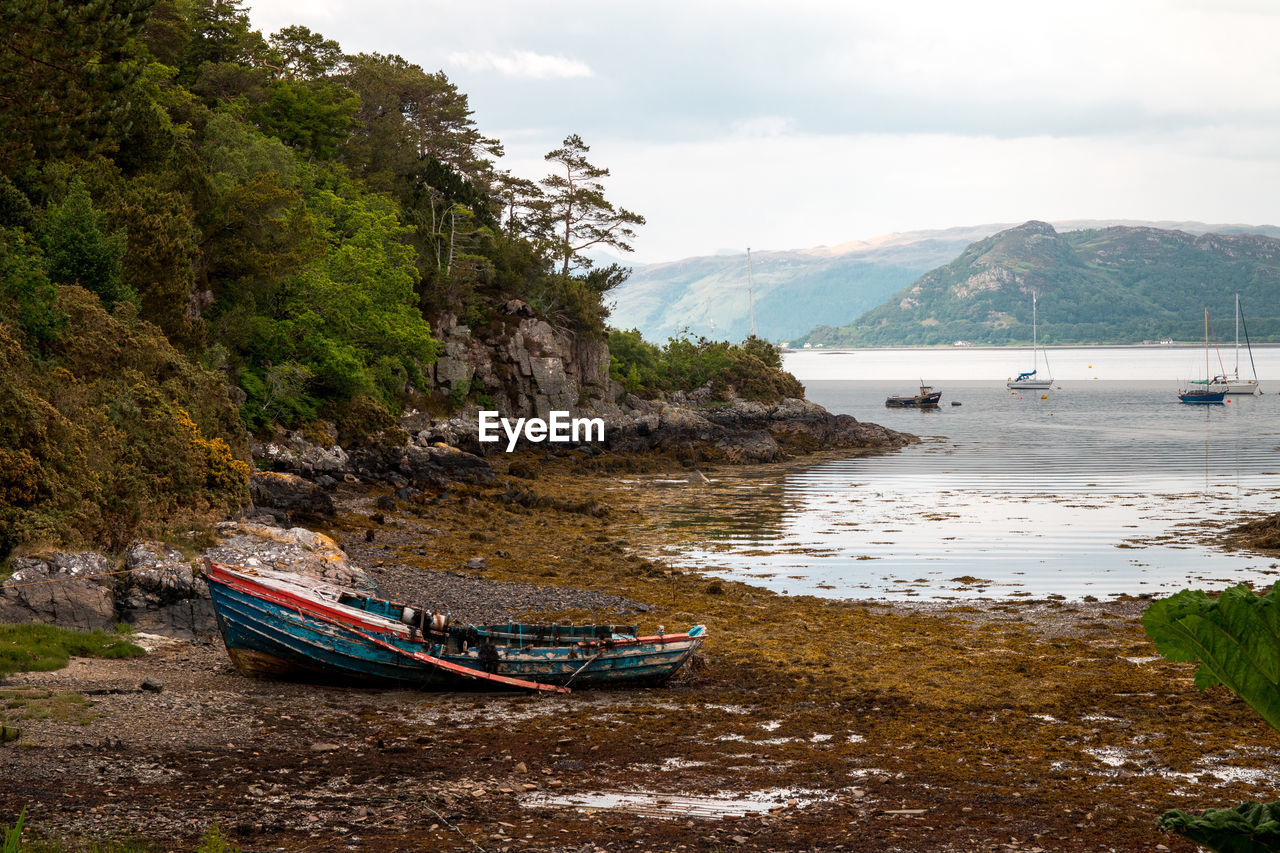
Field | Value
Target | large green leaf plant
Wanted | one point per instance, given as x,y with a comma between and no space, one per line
1235,638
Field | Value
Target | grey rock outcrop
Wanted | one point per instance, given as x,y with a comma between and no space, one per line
741,431
162,594
294,491
423,463
71,590
295,454
526,366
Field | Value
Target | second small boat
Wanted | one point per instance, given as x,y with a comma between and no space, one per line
926,399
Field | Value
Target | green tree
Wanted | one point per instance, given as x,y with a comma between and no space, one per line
64,66
257,231
81,250
220,33
167,31
311,115
347,323
519,198
26,294
161,254
297,53
575,214
304,105
223,58
408,117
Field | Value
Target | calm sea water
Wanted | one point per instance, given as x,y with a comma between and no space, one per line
1105,486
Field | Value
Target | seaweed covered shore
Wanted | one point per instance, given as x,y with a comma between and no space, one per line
805,724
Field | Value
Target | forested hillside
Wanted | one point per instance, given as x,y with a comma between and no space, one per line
206,230
1119,285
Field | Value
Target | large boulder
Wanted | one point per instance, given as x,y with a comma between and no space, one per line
437,464
750,447
160,592
295,550
164,595
294,498
71,590
423,465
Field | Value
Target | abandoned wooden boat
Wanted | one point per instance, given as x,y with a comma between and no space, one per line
289,626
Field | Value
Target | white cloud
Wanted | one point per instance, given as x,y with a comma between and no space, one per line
763,126
521,63
756,123
1158,57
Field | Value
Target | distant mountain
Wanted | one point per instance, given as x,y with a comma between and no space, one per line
796,290
1120,284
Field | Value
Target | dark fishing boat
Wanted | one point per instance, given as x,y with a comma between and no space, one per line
1208,395
926,399
289,626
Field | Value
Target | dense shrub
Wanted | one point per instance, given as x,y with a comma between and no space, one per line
363,421
751,370
114,433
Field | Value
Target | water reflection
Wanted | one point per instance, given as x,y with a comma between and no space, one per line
744,509
1101,489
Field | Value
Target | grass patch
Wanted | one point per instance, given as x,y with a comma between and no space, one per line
34,703
42,648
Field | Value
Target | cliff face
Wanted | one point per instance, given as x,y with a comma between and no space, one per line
526,367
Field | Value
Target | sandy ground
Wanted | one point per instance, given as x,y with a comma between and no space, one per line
804,725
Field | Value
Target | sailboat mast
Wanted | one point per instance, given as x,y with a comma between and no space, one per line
1035,342
751,294
1248,345
1237,336
1206,345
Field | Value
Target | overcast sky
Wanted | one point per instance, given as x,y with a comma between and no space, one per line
780,125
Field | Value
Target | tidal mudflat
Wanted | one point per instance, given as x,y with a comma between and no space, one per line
808,723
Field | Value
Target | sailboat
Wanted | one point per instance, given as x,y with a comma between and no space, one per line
1236,385
1211,392
1030,380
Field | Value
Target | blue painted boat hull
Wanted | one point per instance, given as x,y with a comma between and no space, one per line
1202,397
287,633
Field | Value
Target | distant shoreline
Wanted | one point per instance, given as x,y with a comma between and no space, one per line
980,347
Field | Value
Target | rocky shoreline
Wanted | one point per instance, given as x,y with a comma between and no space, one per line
156,590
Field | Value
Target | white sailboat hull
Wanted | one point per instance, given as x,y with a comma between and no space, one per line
1029,385
1243,386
